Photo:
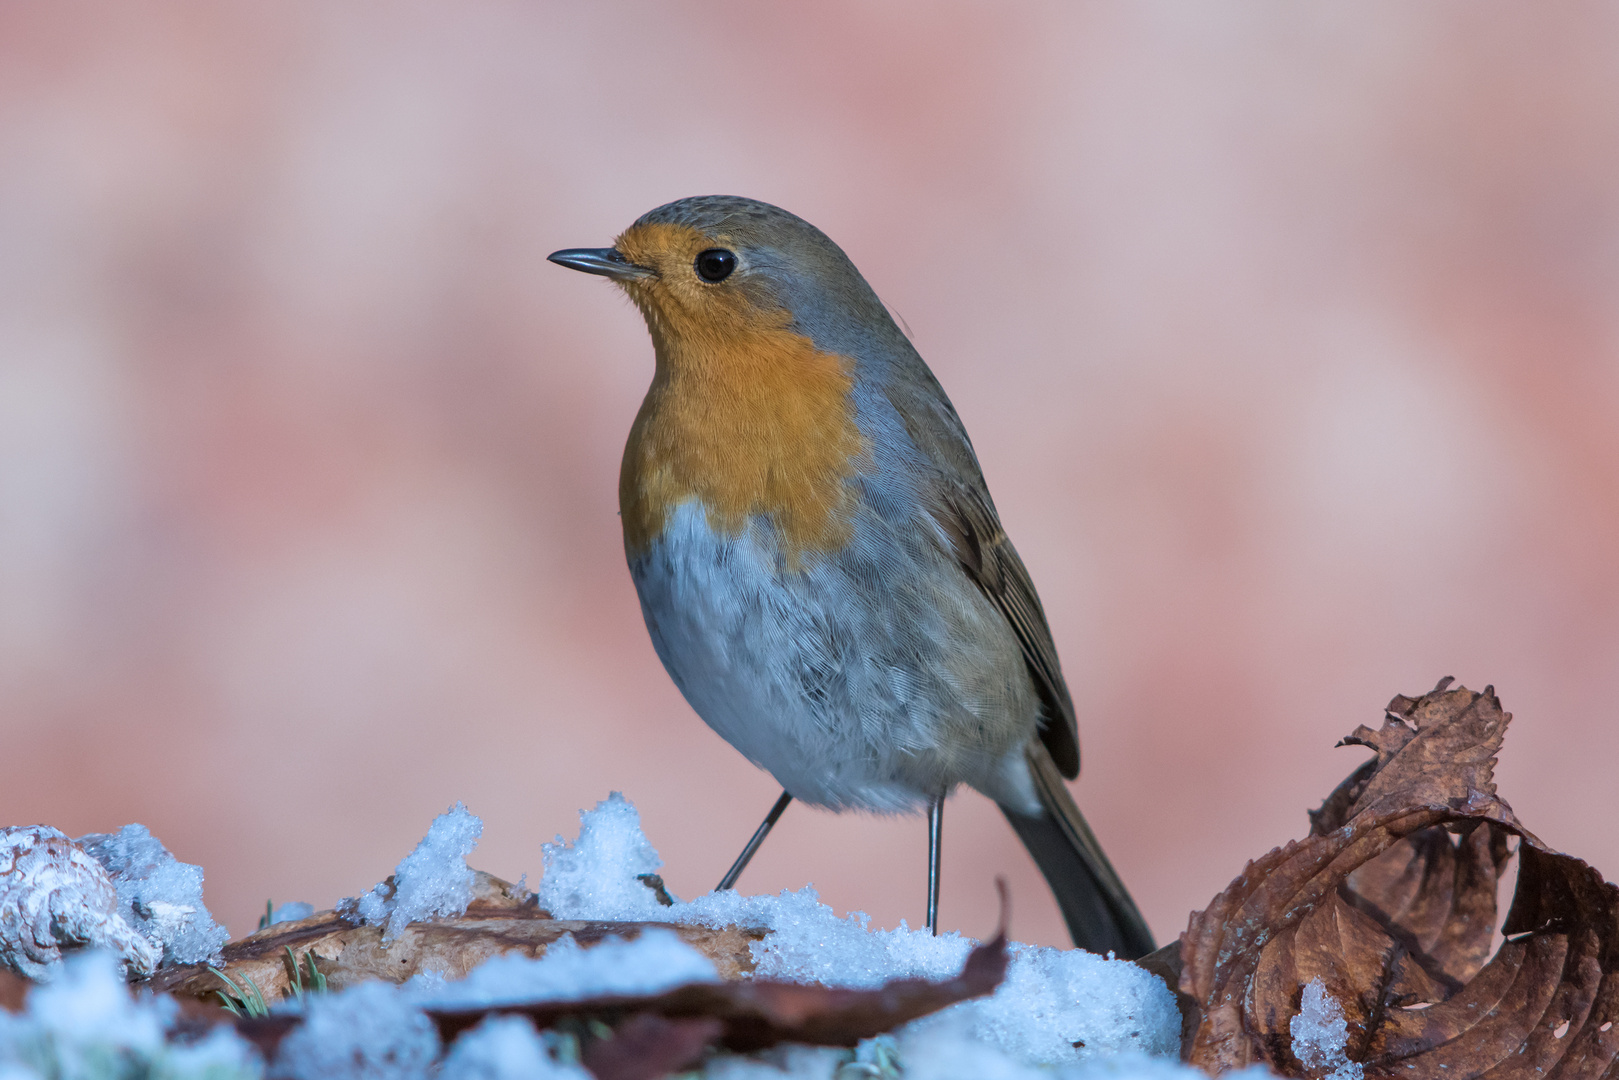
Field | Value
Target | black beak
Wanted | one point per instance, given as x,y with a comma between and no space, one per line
607,262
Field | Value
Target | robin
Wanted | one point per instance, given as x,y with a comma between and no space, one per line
819,561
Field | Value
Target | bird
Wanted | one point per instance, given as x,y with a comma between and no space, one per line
819,563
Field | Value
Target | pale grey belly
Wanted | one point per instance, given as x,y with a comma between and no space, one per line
877,678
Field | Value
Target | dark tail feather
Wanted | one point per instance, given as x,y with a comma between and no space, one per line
1101,916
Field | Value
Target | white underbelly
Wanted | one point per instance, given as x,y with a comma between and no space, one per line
849,696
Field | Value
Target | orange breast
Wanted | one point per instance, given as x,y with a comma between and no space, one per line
750,421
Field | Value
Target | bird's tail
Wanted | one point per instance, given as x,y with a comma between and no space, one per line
1101,916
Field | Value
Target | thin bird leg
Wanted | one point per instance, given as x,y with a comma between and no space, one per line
753,845
935,835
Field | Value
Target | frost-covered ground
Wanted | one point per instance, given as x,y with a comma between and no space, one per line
1057,1013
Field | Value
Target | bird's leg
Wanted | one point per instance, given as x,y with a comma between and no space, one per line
935,835
759,835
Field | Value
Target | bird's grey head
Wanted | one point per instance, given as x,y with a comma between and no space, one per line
690,252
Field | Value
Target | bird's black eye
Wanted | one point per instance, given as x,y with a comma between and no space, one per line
715,264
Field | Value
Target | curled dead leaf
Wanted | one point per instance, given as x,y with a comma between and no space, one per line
1390,903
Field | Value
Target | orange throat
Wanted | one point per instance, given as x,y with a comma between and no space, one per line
747,421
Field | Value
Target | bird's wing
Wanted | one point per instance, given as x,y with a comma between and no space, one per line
990,560
960,503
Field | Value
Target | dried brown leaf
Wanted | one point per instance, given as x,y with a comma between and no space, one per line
1434,893
13,990
647,1046
1391,903
758,1013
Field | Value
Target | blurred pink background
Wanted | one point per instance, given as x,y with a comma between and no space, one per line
1288,336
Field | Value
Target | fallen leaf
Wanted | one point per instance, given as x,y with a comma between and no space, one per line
757,1013
1390,902
13,990
647,1046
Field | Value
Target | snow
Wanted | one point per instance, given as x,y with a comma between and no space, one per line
942,1058
293,911
85,1025
1057,1006
808,942
222,1054
655,961
595,876
122,891
953,1055
1051,999
798,1062
505,1048
158,895
54,899
369,1032
1058,1013
433,881
1320,1035
90,1005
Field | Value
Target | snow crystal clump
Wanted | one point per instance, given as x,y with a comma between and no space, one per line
596,877
1137,1067
369,1032
791,1062
220,1055
1058,1004
655,961
951,1054
53,898
1320,1035
293,911
88,1011
942,1056
505,1048
433,881
86,1024
158,894
810,943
